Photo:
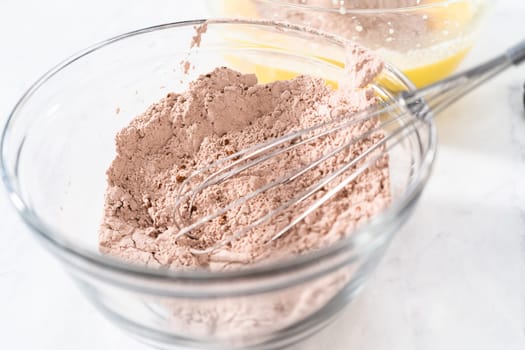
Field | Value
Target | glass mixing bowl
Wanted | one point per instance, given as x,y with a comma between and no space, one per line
426,39
59,141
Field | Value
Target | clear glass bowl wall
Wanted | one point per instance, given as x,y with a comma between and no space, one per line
59,141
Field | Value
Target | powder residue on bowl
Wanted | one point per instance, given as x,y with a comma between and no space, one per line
199,31
196,40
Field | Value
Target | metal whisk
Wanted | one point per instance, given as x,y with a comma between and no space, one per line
418,107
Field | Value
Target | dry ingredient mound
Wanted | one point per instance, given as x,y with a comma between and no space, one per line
223,112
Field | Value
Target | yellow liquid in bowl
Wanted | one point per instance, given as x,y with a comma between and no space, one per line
420,76
265,73
432,72
452,18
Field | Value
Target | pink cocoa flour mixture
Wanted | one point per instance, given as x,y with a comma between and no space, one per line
223,112
220,113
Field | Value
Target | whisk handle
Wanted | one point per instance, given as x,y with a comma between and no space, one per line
443,93
516,54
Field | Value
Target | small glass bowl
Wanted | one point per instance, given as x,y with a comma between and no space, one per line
426,39
59,141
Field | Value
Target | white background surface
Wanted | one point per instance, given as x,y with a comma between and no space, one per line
454,277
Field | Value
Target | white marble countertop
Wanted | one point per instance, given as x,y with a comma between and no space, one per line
454,277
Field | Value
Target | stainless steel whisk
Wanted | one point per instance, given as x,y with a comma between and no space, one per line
420,105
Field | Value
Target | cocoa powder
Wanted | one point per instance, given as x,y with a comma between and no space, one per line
223,112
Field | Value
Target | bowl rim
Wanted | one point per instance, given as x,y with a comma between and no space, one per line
363,11
203,276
